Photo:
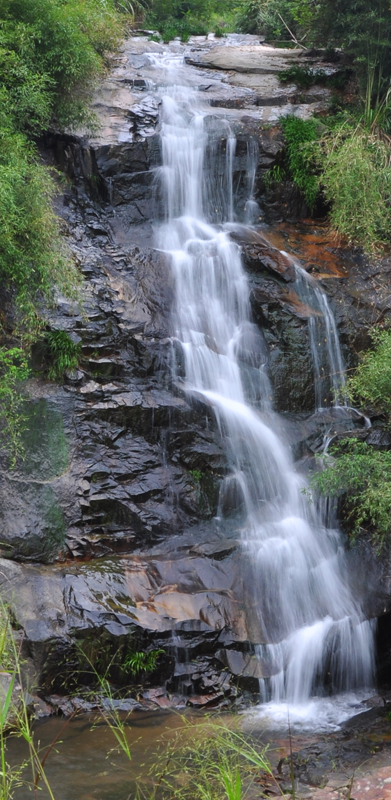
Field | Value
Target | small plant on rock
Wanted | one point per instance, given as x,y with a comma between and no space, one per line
139,661
299,134
63,354
13,371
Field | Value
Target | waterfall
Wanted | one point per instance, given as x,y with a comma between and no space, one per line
313,629
329,370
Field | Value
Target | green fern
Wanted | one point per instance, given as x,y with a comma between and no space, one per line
139,661
63,354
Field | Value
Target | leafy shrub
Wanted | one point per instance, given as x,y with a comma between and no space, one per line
357,470
182,28
63,353
306,77
364,476
196,474
50,54
181,18
13,371
219,31
274,175
249,17
298,134
371,383
32,260
356,181
140,661
263,16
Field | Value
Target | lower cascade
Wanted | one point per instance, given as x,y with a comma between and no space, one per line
314,638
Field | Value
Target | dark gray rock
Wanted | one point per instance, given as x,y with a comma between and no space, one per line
123,467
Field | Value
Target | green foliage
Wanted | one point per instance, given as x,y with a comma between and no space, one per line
172,28
363,475
272,18
50,54
7,652
357,471
32,259
249,17
134,9
356,181
298,134
183,28
211,761
184,18
14,714
371,383
306,77
363,30
351,166
219,31
276,174
140,661
13,371
196,474
101,659
63,354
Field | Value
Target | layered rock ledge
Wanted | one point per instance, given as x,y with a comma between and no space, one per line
109,523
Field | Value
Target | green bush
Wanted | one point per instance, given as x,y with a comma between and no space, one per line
183,28
363,475
357,471
63,354
219,31
140,661
13,371
306,77
186,18
274,175
351,167
50,54
356,181
32,260
371,383
298,135
264,16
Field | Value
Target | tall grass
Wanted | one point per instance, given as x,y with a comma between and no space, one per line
211,761
355,174
15,720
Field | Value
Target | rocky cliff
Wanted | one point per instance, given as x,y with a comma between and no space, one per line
110,527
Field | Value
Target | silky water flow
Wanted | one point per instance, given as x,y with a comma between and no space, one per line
314,632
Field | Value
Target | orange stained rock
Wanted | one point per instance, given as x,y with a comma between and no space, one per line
312,244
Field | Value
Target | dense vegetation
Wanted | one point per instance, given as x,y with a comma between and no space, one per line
191,17
356,472
51,52
348,164
348,167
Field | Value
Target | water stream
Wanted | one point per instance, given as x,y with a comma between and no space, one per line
314,634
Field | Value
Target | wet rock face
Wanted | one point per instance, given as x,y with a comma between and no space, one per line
123,468
186,597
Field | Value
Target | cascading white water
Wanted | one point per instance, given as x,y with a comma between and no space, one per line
329,371
312,626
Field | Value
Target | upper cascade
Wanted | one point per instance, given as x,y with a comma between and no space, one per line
313,629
